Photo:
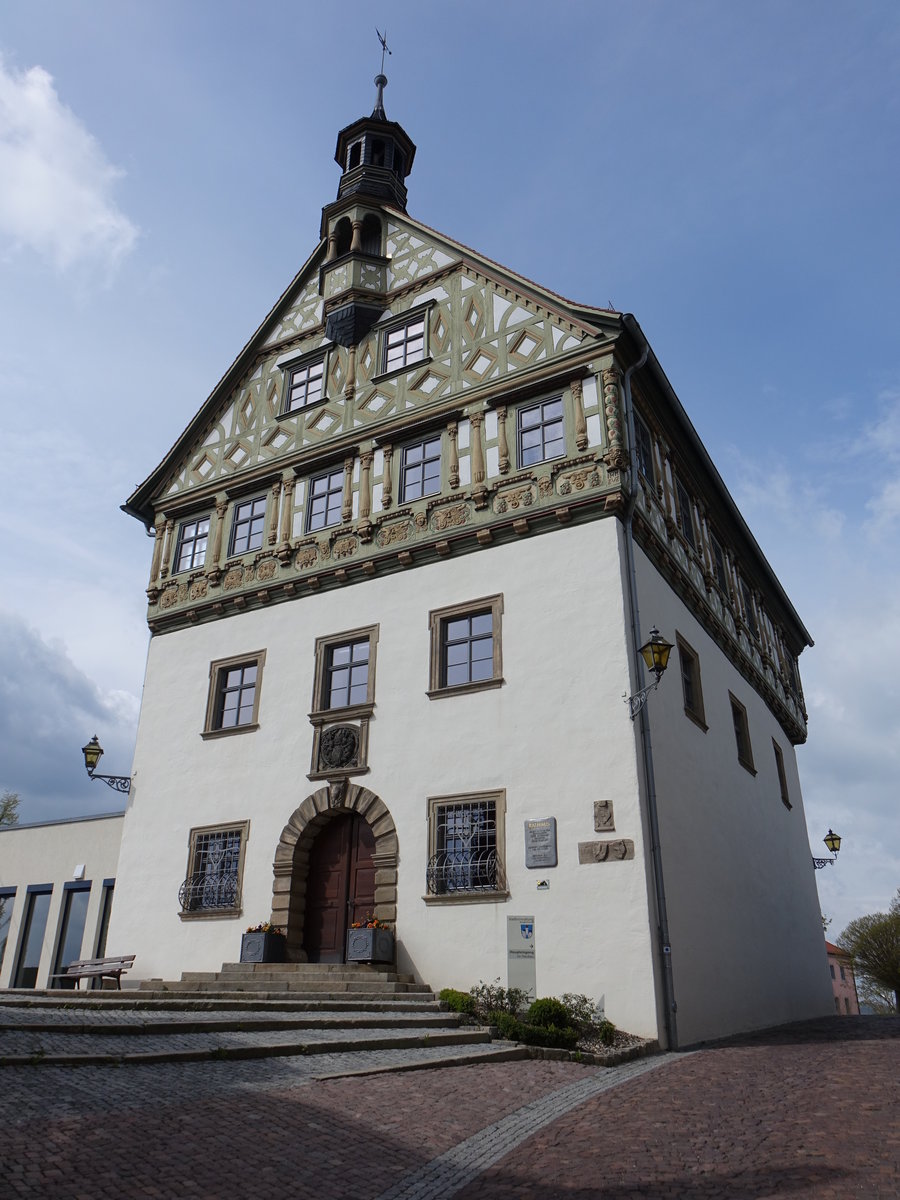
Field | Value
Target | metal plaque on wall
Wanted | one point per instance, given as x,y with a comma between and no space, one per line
520,963
540,843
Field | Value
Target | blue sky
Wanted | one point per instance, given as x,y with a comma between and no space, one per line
730,174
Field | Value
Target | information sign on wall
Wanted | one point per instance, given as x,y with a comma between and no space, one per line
521,971
540,843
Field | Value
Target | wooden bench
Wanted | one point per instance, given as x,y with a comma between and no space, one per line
98,968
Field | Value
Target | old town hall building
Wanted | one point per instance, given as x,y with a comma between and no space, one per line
405,556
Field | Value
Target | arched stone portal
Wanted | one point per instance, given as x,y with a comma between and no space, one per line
291,865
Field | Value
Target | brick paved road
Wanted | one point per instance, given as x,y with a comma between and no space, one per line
810,1112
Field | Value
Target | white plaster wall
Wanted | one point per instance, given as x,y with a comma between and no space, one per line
556,736
743,908
49,853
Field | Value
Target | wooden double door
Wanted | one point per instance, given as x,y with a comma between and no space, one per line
340,887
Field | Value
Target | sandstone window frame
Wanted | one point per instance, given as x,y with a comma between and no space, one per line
324,664
742,734
439,620
474,873
691,682
219,688
199,843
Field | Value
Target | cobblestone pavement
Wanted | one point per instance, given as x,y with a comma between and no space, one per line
801,1113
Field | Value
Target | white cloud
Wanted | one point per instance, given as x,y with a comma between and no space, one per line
55,180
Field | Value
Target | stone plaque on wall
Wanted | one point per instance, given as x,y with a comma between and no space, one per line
597,852
540,843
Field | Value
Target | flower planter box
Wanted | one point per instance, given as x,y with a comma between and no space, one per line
370,945
262,947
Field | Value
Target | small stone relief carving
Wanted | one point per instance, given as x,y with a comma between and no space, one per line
545,485
266,569
233,579
338,747
337,792
389,534
597,852
306,557
518,498
169,597
182,592
579,480
421,520
604,821
344,547
446,518
198,589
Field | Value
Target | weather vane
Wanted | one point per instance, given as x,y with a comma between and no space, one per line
382,37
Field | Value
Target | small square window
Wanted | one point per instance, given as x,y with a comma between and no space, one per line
248,526
326,494
690,682
466,845
404,345
742,734
234,688
421,470
782,778
305,384
190,551
465,647
643,449
684,518
541,433
345,670
215,867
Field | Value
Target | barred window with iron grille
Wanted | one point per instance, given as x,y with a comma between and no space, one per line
466,839
215,864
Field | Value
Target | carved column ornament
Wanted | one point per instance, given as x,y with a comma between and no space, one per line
159,534
386,498
502,443
365,495
287,516
581,437
476,420
214,557
350,385
612,411
332,246
453,469
273,513
347,509
356,240
167,549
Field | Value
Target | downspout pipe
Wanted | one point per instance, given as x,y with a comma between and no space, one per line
664,944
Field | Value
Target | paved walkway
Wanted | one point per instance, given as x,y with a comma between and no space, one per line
809,1112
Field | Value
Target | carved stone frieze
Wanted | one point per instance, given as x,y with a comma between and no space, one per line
389,535
578,480
169,597
344,546
521,497
266,569
306,557
198,589
597,852
233,579
448,518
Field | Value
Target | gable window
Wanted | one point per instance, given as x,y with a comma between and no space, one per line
466,846
690,682
718,562
190,552
215,866
421,470
643,449
248,525
325,500
782,777
742,734
305,384
465,647
404,345
233,703
685,521
540,432
345,670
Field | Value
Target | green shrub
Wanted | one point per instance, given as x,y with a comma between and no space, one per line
509,1027
548,1035
460,1002
580,1009
546,1012
493,997
607,1032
